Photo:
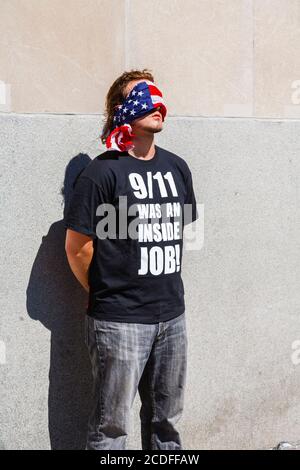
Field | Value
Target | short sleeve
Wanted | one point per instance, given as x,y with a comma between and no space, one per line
81,213
190,211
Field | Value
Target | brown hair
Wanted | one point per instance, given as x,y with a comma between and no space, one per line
116,95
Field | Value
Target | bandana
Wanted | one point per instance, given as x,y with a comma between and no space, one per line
142,99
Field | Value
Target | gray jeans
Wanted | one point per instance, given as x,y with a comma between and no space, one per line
131,357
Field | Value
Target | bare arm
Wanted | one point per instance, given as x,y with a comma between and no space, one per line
79,250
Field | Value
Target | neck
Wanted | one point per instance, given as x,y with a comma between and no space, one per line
143,147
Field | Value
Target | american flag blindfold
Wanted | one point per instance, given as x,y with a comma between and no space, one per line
143,98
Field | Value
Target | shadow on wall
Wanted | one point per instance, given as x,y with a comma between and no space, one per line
56,299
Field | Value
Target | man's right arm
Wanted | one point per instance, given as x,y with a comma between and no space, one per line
79,250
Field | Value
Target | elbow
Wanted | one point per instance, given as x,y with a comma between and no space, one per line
70,246
77,244
68,249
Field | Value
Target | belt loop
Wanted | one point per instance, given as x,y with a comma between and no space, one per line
160,328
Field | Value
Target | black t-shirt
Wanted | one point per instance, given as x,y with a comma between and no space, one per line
134,278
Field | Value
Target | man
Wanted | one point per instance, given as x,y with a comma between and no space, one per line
135,322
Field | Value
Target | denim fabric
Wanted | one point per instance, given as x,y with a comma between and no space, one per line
131,357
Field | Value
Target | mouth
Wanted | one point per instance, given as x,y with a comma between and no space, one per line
156,116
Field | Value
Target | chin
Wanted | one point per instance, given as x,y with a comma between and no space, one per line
151,129
154,128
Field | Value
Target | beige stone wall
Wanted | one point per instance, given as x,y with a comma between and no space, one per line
236,58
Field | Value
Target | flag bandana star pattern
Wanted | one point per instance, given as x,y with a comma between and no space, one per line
142,99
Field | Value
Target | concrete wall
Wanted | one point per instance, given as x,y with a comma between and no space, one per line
230,72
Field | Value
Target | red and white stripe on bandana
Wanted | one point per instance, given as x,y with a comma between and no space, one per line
144,97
